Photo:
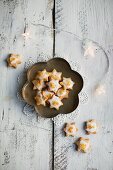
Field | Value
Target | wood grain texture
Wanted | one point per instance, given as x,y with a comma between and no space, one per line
24,143
93,20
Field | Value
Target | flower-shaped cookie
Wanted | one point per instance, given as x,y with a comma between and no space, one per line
14,60
55,75
38,84
40,99
70,129
54,85
62,93
83,144
67,83
60,69
55,102
47,94
42,75
91,127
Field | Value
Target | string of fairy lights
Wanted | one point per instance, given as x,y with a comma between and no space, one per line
89,48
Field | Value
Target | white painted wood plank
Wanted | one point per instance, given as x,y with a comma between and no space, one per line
91,19
86,19
24,143
24,148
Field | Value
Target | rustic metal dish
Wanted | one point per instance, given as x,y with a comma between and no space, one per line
60,65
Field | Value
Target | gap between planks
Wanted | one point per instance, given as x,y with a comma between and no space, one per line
53,19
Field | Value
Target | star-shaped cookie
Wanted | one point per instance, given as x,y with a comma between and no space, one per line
70,129
67,83
55,102
83,144
14,60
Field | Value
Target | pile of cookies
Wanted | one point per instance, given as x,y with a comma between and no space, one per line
83,144
51,88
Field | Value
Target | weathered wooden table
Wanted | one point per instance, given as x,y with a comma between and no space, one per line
27,144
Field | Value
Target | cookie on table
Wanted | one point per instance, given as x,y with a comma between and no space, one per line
38,84
83,145
62,93
14,60
43,75
47,94
67,83
40,99
53,85
55,75
91,127
55,102
70,129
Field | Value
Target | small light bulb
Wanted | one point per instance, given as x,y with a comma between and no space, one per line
89,48
100,89
26,35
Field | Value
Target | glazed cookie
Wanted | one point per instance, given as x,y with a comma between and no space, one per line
43,75
38,84
67,83
55,75
70,129
91,127
83,144
53,85
55,102
62,93
47,94
14,60
40,99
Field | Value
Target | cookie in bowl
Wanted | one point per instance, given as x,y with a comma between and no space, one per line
53,85
55,75
38,84
47,94
62,93
40,99
67,83
42,75
55,102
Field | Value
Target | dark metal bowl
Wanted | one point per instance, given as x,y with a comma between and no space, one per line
60,65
